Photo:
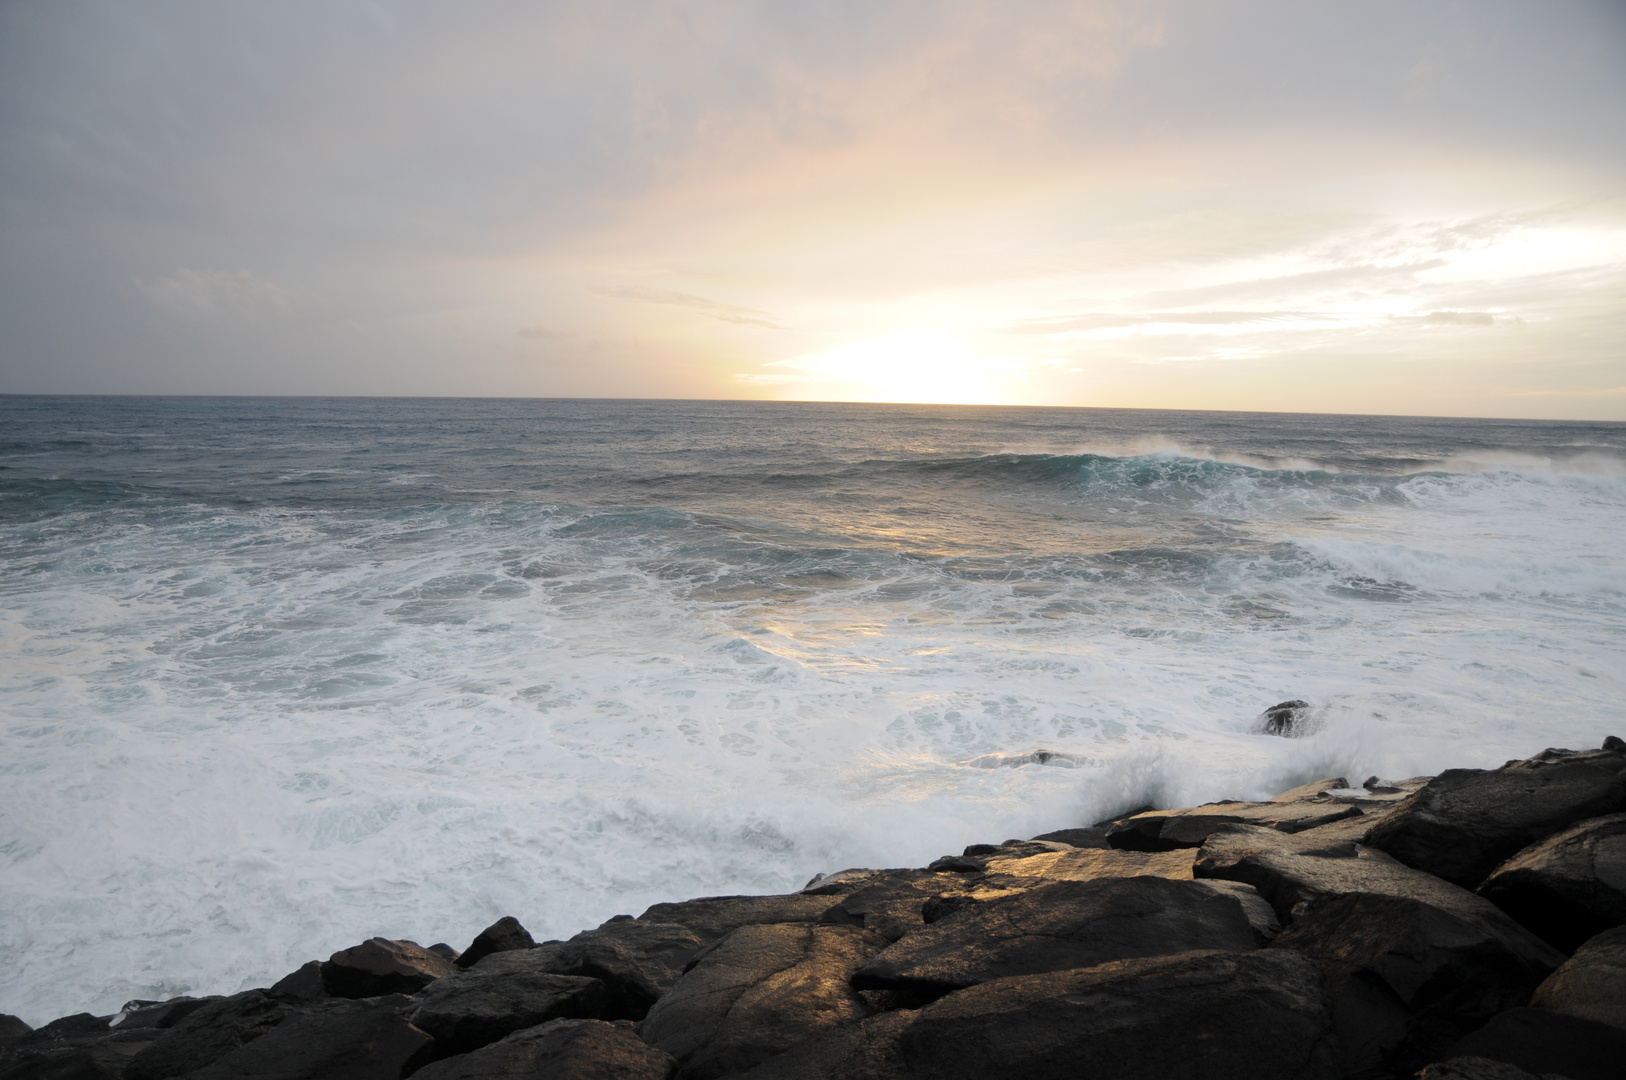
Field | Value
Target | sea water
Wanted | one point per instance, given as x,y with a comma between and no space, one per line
278,675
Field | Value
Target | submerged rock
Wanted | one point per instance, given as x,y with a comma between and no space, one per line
1569,886
381,966
504,935
559,1050
1592,983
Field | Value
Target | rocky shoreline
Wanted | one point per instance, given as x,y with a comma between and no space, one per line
1466,926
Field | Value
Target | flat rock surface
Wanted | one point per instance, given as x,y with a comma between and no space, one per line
469,1009
382,966
892,902
332,1040
710,917
1569,886
1544,1042
758,992
1407,979
1465,822
637,961
1166,830
1215,1015
1592,983
208,1034
1088,864
560,1050
1065,925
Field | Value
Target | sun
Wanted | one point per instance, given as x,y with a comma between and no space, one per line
923,366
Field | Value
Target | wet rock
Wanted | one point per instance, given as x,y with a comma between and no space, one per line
637,961
469,1009
1407,979
1474,1068
1314,790
710,917
1289,719
304,984
207,1035
1167,830
1055,927
157,1014
559,1050
1592,983
1568,887
1545,1042
839,883
757,993
331,1040
1216,1015
504,935
1465,822
381,966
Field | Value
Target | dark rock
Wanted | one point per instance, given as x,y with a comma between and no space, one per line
637,961
1006,873
957,864
1407,979
1543,1042
710,917
304,984
507,992
207,1035
68,1027
759,992
1166,830
381,966
70,1065
157,1014
12,1029
891,903
1314,791
1465,822
1070,924
839,883
559,1050
1260,915
1592,983
1288,719
504,935
1474,1068
1569,886
1093,837
331,1040
1614,744
1215,1015
445,951
867,1050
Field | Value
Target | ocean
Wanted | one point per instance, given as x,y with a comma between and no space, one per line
277,675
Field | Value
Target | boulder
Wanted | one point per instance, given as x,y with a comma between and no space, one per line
890,903
1592,983
381,966
1215,1015
1312,791
1095,836
1465,822
504,935
157,1014
470,1009
559,1050
1406,979
65,1065
305,984
1070,924
710,917
1289,719
1475,1068
12,1029
1085,864
331,1040
839,883
1167,830
1543,1042
637,961
866,1050
445,952
759,992
1569,886
208,1034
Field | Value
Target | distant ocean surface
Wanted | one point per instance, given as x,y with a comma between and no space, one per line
277,675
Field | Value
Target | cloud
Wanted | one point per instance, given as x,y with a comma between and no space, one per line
541,332
1460,318
714,309
214,294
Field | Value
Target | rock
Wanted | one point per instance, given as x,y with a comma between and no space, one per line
381,966
637,961
1406,978
331,1040
758,992
445,951
1544,1042
207,1035
890,903
1474,1068
1166,830
72,1065
12,1029
710,917
1465,822
559,1050
1592,983
1315,789
1093,837
867,1050
157,1014
1215,1015
1071,924
1569,886
504,935
1289,719
469,1009
302,985
1260,915
1087,864
1614,744
839,883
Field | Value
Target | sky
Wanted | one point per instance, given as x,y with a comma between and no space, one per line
1365,206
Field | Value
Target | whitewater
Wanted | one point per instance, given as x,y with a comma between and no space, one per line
277,675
